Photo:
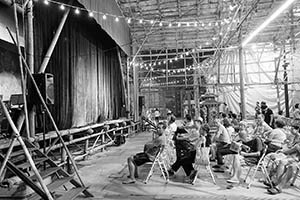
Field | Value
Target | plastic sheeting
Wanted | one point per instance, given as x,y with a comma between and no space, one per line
259,65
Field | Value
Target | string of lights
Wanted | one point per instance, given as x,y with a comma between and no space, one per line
92,13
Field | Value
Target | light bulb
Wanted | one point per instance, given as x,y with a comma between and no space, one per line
117,19
91,14
62,7
46,2
104,17
77,11
128,20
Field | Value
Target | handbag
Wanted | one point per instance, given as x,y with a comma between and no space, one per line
202,156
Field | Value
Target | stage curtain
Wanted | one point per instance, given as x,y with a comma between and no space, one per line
87,74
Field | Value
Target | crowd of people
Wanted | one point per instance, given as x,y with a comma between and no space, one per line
226,136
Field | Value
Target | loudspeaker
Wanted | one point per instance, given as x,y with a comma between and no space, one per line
141,101
45,83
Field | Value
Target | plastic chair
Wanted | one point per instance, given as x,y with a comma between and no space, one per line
258,165
202,159
160,161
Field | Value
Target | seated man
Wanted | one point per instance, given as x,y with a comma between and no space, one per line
251,151
151,149
277,137
225,149
287,162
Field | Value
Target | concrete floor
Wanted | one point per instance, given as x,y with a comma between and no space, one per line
105,171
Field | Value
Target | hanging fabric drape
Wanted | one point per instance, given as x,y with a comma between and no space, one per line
87,75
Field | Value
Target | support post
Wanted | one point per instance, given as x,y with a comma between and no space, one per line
128,89
23,83
30,60
242,74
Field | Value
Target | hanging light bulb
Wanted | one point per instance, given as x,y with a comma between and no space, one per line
193,50
129,20
160,24
171,60
170,24
140,21
181,56
117,19
216,24
104,17
77,11
46,2
91,14
187,24
159,63
203,24
176,58
209,24
195,24
151,22
62,7
187,53
179,24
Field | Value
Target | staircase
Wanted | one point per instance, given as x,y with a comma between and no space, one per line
57,177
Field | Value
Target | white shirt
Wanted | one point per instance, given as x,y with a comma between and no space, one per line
222,134
277,137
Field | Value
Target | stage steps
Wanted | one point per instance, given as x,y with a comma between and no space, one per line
61,185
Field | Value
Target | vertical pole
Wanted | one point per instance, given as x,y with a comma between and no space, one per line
242,73
30,60
285,82
128,89
23,84
135,92
184,64
167,69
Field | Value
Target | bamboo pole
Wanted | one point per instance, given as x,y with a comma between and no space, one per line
242,83
28,156
23,85
54,41
30,57
11,146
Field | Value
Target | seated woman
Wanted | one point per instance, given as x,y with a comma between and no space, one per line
261,128
251,151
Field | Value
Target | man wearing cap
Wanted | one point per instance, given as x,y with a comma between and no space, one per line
268,113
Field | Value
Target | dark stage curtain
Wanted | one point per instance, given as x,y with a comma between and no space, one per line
87,75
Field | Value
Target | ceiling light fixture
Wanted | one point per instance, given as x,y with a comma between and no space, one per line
268,21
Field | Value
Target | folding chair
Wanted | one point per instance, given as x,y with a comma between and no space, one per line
202,159
259,164
296,175
160,161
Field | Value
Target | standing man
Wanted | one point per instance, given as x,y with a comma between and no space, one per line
268,113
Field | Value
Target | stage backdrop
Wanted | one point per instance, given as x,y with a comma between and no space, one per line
87,75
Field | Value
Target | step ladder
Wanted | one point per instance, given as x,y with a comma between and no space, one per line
42,166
